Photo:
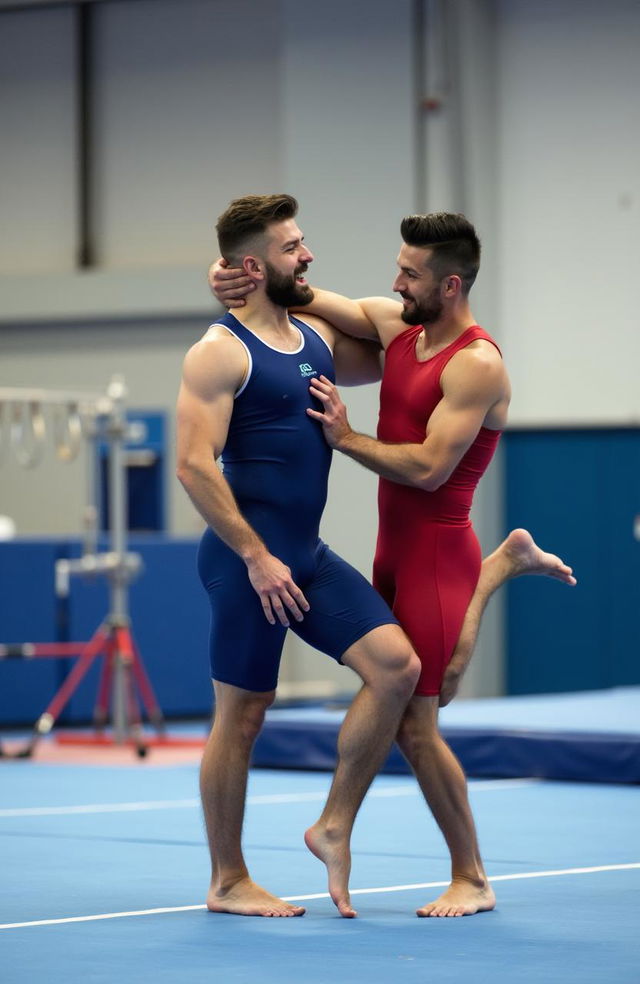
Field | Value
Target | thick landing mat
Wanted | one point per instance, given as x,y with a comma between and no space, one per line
592,736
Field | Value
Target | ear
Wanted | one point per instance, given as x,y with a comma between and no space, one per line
253,267
451,286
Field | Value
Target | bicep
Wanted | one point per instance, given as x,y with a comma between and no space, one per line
356,361
453,427
385,315
201,424
472,383
205,402
451,430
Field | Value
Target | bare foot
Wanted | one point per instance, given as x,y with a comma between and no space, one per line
527,558
462,898
335,854
245,898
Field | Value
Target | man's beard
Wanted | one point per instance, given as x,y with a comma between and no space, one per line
426,313
284,290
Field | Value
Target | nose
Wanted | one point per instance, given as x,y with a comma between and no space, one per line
307,255
397,284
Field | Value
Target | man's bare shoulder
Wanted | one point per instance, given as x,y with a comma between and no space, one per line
216,362
480,354
386,316
477,365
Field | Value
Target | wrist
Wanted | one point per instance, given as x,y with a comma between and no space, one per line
253,552
347,441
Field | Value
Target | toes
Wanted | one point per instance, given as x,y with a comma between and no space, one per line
345,909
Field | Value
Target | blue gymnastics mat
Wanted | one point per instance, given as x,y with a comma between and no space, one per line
592,736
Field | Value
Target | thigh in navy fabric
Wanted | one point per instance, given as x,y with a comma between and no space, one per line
244,649
344,606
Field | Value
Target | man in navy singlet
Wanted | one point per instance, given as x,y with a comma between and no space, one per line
243,400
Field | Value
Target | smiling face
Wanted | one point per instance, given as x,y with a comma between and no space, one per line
418,287
286,261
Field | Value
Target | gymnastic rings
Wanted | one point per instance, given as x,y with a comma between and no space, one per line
67,430
28,432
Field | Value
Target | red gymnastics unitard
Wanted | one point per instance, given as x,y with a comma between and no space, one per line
428,557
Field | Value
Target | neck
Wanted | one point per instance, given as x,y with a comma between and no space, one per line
450,325
262,315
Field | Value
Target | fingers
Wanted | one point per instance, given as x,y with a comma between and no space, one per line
322,389
278,603
323,386
229,284
236,288
221,271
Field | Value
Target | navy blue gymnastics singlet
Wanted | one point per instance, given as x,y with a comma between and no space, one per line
276,462
276,459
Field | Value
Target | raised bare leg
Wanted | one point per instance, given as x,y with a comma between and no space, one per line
389,669
444,787
223,787
517,555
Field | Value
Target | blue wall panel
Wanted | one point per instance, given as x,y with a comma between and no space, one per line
169,615
578,493
28,613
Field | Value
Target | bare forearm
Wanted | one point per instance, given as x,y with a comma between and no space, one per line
343,313
211,495
402,463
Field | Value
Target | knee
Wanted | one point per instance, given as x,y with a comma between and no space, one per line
251,717
415,738
396,668
410,668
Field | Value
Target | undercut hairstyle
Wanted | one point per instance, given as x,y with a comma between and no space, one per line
453,241
242,227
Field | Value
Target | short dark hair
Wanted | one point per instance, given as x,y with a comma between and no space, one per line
248,218
453,240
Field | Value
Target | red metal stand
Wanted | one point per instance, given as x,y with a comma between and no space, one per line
124,686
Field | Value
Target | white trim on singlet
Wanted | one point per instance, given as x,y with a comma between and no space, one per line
272,347
316,332
218,324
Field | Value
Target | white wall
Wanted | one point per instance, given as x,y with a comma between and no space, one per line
38,212
569,174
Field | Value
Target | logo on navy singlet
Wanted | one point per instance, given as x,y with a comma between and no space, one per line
306,369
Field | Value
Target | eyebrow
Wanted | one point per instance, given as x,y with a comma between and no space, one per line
292,242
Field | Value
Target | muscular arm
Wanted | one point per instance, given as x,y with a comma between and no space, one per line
374,318
344,313
213,370
356,361
366,317
473,383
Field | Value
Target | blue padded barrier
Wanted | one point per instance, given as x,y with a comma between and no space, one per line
588,737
